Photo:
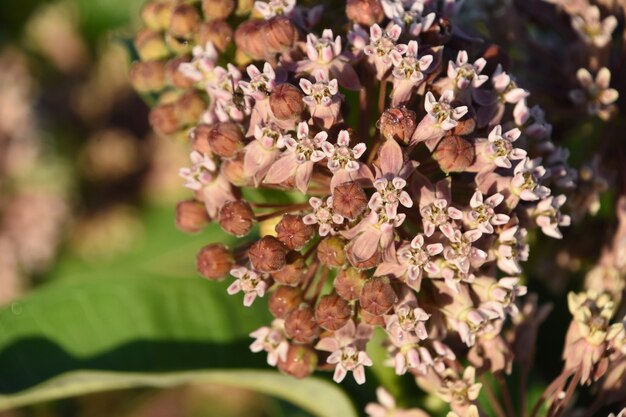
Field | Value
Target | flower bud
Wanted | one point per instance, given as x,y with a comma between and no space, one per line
150,45
454,154
163,119
301,361
232,170
156,15
214,261
147,76
373,261
217,9
189,107
225,139
301,326
292,231
349,200
280,34
377,296
236,218
200,138
267,254
284,300
191,216
218,32
466,125
250,40
178,46
332,312
349,283
292,272
397,123
331,251
184,21
365,12
371,319
286,102
174,76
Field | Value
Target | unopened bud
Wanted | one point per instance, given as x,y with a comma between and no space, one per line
178,46
373,261
349,283
286,102
268,254
191,216
225,139
217,9
250,40
301,361
150,45
377,296
174,76
371,319
349,200
236,218
189,107
454,154
214,261
200,138
156,15
292,231
232,170
332,312
397,123
301,326
184,21
284,300
292,272
365,12
466,125
218,32
331,251
163,119
147,76
280,34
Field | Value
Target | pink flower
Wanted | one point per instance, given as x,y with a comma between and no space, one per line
389,195
499,148
591,29
512,249
418,258
274,8
492,101
438,215
411,19
408,72
526,180
382,43
261,152
596,94
342,156
548,216
202,64
386,407
323,99
272,340
200,173
482,215
441,117
248,281
374,231
466,74
323,215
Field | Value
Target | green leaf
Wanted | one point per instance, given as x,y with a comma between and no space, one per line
317,396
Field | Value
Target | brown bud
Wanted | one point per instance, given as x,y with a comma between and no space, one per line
178,46
286,102
349,199
267,254
377,296
232,170
371,319
225,139
301,361
236,218
163,119
280,34
191,216
217,9
454,154
218,32
250,40
301,326
292,272
284,300
174,76
156,15
292,231
466,125
332,312
189,107
365,12
150,45
331,251
200,138
214,261
349,283
147,76
373,261
397,123
184,21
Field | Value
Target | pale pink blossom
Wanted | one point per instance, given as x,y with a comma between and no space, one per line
323,215
250,282
596,94
271,339
323,99
389,195
261,84
526,182
373,232
499,147
441,117
382,43
409,15
274,8
482,215
592,29
408,72
437,215
466,74
386,407
200,173
548,216
511,249
262,151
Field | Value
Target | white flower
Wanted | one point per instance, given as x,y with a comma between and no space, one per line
274,7
200,173
482,215
442,111
591,29
389,195
272,340
342,156
323,215
248,281
466,74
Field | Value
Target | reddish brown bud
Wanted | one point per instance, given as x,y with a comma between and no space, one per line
200,138
284,300
466,125
349,283
232,170
150,45
397,123
268,254
373,261
365,12
301,326
214,261
280,34
454,154
156,15
236,218
217,9
184,21
163,119
292,231
250,40
286,102
218,32
371,319
349,199
191,216
331,251
292,272
189,107
377,296
225,139
147,76
174,76
332,312
301,361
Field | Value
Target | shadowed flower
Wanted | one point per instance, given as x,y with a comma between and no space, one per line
591,29
386,407
596,94
382,44
441,117
272,340
409,15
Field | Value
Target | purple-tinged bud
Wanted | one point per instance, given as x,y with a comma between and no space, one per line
332,312
236,218
373,261
349,200
268,254
454,154
147,76
184,21
150,45
232,170
349,283
301,326
156,15
214,261
174,76
189,107
365,12
217,9
191,216
280,34
286,102
466,125
225,139
218,32
293,272
250,40
371,319
301,361
200,138
163,119
331,251
397,123
284,300
292,231
377,296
